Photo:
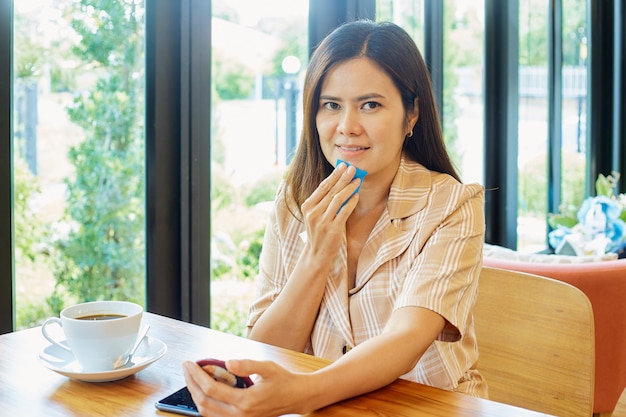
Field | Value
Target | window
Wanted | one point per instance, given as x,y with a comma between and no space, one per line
552,109
533,125
406,13
259,56
573,128
78,154
574,102
462,89
463,110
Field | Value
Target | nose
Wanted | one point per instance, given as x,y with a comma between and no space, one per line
350,123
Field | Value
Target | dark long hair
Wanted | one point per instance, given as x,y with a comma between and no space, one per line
393,50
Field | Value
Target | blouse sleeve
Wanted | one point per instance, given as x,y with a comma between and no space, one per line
274,261
447,257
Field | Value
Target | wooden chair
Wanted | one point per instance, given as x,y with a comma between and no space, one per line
604,284
620,408
536,342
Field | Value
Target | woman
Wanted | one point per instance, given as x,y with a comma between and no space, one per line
381,281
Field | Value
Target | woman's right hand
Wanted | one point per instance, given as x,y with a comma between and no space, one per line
276,390
325,214
288,321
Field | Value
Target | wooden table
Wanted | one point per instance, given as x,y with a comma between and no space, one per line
27,388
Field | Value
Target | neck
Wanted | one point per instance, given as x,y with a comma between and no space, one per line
372,196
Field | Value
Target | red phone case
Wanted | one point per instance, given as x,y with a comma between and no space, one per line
217,369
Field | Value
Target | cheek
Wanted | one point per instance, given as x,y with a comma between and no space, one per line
325,128
325,134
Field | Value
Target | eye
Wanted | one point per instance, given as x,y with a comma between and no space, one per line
371,105
330,105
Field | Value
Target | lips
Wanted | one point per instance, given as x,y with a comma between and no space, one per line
352,148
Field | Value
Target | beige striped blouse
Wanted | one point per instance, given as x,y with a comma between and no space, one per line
425,250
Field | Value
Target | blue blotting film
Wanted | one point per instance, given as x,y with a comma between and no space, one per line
360,174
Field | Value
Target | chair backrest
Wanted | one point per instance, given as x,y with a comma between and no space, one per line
620,408
536,342
604,284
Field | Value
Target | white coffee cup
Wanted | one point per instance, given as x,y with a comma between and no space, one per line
98,333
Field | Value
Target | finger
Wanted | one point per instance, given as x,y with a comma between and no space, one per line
211,397
337,180
347,207
342,197
333,186
248,367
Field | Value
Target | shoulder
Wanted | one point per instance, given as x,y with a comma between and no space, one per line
415,188
447,184
284,214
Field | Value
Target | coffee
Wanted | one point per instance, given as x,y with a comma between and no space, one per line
97,333
101,317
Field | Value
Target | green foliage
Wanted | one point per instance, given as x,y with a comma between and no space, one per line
102,254
263,190
110,32
223,193
249,254
232,80
294,43
28,56
574,32
533,33
607,185
236,257
453,57
229,317
533,186
236,248
30,314
533,38
31,247
29,231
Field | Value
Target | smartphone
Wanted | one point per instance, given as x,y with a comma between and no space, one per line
181,402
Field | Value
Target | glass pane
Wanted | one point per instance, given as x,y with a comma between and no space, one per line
463,85
574,73
463,69
79,158
406,13
260,50
533,125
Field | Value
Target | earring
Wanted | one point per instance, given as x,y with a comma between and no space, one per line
410,134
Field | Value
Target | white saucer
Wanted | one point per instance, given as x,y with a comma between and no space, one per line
63,362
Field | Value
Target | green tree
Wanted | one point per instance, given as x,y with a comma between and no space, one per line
232,79
574,32
294,43
28,59
533,33
102,255
30,247
533,41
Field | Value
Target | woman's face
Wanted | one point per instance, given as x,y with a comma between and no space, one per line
361,118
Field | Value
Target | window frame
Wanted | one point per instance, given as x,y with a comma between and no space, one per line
501,95
178,86
7,315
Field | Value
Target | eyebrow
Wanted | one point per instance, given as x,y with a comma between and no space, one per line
364,97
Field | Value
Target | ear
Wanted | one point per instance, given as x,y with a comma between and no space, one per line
413,114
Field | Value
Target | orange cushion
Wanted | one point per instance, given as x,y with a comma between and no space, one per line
604,283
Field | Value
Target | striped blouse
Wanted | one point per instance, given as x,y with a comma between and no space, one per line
425,250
